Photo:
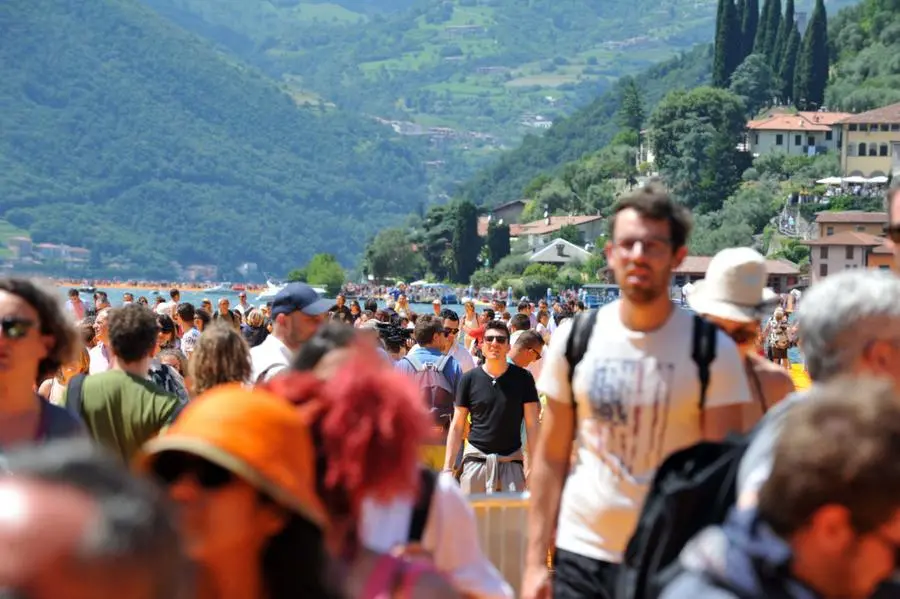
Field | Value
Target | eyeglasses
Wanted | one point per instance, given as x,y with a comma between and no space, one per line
172,466
450,332
501,339
652,246
893,232
14,327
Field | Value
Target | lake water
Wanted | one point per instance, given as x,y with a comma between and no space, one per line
195,297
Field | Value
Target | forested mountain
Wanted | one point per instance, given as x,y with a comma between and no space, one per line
586,131
126,135
865,44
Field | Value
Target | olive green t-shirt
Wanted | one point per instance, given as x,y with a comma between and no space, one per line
123,411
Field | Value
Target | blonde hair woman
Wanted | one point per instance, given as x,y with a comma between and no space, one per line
221,356
54,389
255,331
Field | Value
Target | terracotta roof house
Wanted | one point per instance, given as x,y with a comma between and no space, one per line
802,133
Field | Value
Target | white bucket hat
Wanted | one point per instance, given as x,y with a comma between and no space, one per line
734,287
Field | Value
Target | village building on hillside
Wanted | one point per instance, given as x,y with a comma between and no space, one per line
541,232
847,240
783,275
850,221
559,252
803,133
872,147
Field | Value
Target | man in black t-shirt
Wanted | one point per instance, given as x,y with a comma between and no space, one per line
497,396
340,309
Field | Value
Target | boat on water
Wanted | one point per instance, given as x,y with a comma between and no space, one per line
268,294
87,289
218,288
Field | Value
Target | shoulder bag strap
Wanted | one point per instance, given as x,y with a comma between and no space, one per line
427,483
74,391
576,344
703,353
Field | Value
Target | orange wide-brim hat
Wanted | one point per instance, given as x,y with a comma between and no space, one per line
254,434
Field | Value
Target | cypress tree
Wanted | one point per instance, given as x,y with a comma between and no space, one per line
759,41
740,8
772,29
726,57
784,34
789,64
812,64
749,23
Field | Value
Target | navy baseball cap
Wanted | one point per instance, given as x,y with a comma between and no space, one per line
299,297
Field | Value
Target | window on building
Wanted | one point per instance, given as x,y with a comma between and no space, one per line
810,140
823,270
779,139
862,149
851,150
895,127
756,138
883,150
860,229
798,139
849,252
853,127
823,252
884,267
828,136
885,127
829,231
873,149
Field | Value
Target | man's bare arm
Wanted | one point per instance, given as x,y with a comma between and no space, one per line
549,469
455,436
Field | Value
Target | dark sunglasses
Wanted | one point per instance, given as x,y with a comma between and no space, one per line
171,466
501,339
15,328
449,332
893,232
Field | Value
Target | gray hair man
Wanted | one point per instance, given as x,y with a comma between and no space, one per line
127,544
849,324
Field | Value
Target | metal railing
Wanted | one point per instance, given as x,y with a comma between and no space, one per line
502,520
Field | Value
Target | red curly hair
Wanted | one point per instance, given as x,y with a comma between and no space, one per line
368,423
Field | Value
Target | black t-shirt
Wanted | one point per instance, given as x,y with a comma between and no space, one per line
497,408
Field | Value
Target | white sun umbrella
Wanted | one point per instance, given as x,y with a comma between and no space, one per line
880,180
855,179
830,181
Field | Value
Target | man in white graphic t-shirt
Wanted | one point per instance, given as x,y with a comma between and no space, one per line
636,401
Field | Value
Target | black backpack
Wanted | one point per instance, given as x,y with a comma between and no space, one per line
692,489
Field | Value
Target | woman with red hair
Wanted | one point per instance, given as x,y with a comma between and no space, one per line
367,423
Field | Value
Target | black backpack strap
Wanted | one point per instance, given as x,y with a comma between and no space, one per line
427,483
704,352
74,392
576,344
265,373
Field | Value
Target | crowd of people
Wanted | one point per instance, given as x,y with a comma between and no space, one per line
315,448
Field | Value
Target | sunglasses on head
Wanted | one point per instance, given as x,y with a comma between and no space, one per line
892,232
14,327
501,339
172,466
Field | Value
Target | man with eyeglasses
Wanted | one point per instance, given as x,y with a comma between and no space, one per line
892,230
498,397
632,399
454,347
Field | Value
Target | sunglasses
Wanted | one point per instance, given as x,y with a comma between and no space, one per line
14,327
893,232
449,332
172,466
501,339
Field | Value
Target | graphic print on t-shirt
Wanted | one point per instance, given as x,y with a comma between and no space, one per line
630,405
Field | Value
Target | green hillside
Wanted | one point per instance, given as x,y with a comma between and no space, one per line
586,131
483,65
865,43
128,136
